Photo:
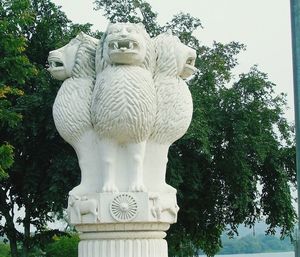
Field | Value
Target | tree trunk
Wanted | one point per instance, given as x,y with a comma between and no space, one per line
7,210
26,243
13,248
11,234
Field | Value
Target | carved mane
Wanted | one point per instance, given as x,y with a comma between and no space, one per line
165,46
85,57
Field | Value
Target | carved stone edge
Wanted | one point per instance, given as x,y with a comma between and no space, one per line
120,214
123,247
123,235
123,227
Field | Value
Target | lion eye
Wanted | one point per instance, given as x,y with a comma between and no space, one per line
114,30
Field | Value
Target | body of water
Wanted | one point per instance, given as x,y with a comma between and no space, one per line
284,254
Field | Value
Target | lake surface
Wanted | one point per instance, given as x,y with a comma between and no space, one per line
285,254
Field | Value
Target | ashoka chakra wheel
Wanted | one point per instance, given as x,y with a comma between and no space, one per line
123,207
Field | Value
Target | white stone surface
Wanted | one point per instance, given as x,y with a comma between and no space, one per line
137,247
106,208
132,241
122,121
122,104
75,64
86,229
174,106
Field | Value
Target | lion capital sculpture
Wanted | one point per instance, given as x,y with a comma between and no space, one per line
122,104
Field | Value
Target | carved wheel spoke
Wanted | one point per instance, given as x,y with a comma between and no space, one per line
123,207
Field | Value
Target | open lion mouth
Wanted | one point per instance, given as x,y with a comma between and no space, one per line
189,68
55,64
123,45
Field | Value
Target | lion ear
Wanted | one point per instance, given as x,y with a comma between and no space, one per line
140,25
169,32
81,35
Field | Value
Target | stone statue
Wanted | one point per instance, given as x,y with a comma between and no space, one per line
122,104
75,64
175,62
80,206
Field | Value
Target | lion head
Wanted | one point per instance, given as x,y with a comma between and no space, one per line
125,43
173,57
76,59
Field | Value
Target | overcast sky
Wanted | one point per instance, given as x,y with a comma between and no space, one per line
262,25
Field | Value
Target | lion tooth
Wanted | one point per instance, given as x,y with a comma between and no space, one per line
116,45
130,45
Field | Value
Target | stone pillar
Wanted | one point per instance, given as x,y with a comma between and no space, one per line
123,224
135,243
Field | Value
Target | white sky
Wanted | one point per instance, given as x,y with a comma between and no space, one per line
262,25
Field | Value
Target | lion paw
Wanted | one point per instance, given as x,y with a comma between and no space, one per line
110,188
169,189
137,187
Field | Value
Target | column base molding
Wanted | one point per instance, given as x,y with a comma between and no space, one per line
123,244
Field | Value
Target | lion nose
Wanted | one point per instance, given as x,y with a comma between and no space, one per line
124,32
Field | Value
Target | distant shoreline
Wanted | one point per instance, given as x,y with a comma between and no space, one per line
277,254
255,244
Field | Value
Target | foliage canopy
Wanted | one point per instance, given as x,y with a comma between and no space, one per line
37,168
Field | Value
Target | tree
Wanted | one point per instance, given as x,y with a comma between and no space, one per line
4,250
15,69
238,138
9,118
63,246
45,167
13,62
